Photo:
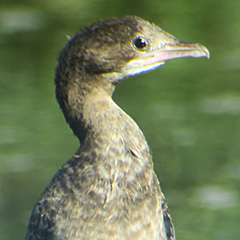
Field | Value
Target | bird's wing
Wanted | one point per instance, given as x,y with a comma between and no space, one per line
170,231
41,225
54,202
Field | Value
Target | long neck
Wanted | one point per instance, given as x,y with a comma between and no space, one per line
109,125
115,139
104,126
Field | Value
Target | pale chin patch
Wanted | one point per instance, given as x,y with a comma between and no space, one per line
138,67
132,68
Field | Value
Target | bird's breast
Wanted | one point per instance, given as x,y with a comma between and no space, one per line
112,180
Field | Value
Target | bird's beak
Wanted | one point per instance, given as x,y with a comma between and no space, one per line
169,51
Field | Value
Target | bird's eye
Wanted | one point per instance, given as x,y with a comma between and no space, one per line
140,43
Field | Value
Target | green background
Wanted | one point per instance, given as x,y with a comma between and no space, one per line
188,109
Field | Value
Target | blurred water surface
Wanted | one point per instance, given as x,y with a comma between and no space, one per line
188,109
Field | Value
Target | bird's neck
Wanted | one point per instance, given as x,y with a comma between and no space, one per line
114,144
103,125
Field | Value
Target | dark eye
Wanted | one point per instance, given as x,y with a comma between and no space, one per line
140,43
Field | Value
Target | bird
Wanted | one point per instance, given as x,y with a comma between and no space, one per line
108,189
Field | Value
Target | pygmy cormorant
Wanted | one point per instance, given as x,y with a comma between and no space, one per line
108,189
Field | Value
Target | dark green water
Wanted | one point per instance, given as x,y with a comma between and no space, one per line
188,109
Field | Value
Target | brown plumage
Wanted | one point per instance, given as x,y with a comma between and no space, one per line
108,189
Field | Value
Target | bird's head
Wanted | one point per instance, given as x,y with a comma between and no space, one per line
104,53
118,48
